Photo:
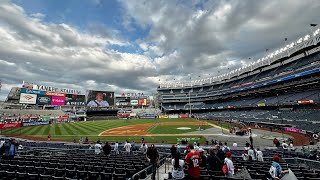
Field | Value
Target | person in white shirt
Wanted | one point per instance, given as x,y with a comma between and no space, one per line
252,153
144,148
98,102
245,155
97,148
225,148
127,147
116,148
285,146
230,165
177,170
259,155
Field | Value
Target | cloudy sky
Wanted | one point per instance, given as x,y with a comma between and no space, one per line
128,45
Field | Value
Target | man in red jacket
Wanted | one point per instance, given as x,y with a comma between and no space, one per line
193,160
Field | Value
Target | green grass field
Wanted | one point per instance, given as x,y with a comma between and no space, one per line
91,129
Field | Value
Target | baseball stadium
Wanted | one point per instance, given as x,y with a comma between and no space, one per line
257,118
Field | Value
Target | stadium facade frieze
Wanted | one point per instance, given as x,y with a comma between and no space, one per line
55,89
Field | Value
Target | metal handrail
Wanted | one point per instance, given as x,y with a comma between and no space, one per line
136,175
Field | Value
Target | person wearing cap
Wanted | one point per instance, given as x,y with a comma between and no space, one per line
193,160
203,158
276,170
153,157
230,165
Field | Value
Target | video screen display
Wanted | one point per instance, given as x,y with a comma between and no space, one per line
99,98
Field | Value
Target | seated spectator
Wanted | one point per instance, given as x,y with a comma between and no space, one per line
177,170
107,149
245,155
225,148
252,153
213,161
97,147
259,155
285,145
275,169
144,148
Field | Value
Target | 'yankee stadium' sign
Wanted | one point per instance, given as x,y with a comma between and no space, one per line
63,90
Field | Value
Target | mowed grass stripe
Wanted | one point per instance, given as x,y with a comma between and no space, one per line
46,129
67,129
93,130
79,130
57,130
34,130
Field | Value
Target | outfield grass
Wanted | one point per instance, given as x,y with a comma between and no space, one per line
71,131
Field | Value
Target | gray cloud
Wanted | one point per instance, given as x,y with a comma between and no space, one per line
184,37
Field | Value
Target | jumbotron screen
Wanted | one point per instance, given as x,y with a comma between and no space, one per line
99,98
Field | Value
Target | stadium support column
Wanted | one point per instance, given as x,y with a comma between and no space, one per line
190,102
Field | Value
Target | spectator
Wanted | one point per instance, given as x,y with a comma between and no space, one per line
97,147
251,140
86,140
49,137
173,151
178,148
252,153
116,148
127,146
177,170
259,155
229,164
133,146
213,161
225,148
80,140
196,146
203,158
285,146
107,149
144,148
245,155
247,146
10,149
193,160
234,144
2,149
220,153
275,169
153,158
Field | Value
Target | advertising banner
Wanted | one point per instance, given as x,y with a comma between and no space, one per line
75,100
134,102
164,117
32,91
147,117
290,129
10,125
28,98
47,93
99,98
35,123
173,116
184,116
142,102
261,104
305,102
57,100
45,117
63,117
43,100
